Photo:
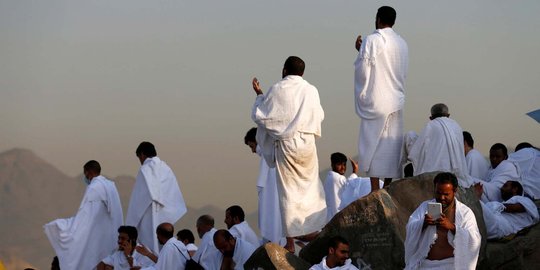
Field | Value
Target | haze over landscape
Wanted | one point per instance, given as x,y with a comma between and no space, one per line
85,80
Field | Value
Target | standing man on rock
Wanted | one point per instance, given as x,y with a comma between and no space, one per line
289,120
379,86
156,197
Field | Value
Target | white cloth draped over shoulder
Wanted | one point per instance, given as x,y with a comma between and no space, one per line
496,178
242,252
119,261
289,119
355,189
156,198
528,162
466,241
270,224
243,231
379,85
500,224
173,256
333,187
440,148
208,256
322,266
477,164
82,241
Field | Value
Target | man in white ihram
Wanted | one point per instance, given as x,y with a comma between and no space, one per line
439,147
82,241
289,119
379,85
156,197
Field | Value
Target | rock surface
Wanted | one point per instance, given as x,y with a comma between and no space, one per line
272,256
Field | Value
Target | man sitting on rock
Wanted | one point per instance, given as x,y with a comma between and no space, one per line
337,257
450,242
501,170
513,214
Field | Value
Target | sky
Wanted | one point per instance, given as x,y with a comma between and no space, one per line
83,80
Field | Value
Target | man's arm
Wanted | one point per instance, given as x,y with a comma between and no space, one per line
514,208
103,266
358,43
445,223
256,86
145,252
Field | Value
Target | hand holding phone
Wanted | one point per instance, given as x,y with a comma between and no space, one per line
434,210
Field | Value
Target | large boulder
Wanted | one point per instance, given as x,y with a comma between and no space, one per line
375,225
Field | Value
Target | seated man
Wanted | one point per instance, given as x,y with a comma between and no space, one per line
439,147
501,171
477,164
208,256
238,227
235,251
449,242
527,159
335,181
173,254
126,257
337,256
512,215
186,237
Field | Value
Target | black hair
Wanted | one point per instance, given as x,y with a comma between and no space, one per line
446,178
467,137
336,240
250,135
294,66
92,166
147,149
130,231
185,234
523,145
500,146
205,220
338,157
516,184
386,15
236,211
165,230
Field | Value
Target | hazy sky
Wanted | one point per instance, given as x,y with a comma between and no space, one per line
84,80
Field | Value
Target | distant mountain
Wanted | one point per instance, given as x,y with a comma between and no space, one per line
33,192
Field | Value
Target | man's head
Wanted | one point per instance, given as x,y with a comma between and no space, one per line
339,163
234,215
386,17
127,234
205,223
446,185
250,140
497,153
511,189
185,236
468,142
224,242
164,231
523,145
145,150
338,252
293,66
439,110
91,169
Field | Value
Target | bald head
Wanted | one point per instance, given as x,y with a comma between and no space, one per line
165,230
439,110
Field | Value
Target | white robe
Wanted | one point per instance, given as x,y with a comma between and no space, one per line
322,266
355,189
333,187
466,241
80,242
496,178
208,256
379,85
119,261
173,256
440,148
270,224
242,252
500,224
477,164
245,232
156,198
289,119
528,162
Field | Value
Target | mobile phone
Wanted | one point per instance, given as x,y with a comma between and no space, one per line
434,210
